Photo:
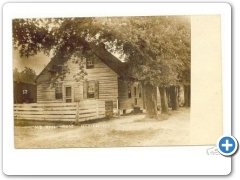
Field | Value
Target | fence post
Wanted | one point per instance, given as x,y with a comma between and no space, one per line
77,111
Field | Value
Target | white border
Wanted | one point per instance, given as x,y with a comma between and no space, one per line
127,161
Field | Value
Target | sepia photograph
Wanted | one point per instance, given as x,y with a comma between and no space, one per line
101,81
88,87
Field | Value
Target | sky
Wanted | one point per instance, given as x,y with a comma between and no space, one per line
36,62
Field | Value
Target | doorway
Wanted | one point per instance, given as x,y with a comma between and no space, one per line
68,94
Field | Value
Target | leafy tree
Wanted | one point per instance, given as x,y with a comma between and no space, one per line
157,49
27,75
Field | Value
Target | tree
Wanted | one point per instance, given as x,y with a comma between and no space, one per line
27,75
163,98
151,45
155,48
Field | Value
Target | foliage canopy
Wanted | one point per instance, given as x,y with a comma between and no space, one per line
157,48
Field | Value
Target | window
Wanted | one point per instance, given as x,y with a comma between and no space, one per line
129,93
136,101
90,90
89,63
140,90
58,91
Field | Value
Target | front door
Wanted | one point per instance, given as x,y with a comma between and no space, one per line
68,91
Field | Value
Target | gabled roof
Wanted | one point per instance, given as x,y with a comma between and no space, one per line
110,60
99,50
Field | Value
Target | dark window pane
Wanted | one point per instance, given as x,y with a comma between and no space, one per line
58,95
89,63
90,95
129,94
91,87
135,101
58,91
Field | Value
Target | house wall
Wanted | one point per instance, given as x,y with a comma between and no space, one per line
106,77
45,93
29,97
126,103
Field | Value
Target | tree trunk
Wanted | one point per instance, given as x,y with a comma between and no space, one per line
187,96
164,101
177,94
168,97
143,96
177,97
150,94
174,98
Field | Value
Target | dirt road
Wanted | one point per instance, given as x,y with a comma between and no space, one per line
132,130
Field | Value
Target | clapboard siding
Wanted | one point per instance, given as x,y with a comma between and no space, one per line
106,77
77,93
45,93
124,101
108,81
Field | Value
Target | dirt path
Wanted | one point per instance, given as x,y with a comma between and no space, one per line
133,130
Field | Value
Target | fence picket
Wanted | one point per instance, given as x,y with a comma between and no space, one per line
79,111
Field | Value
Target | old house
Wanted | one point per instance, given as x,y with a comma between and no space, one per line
24,92
106,80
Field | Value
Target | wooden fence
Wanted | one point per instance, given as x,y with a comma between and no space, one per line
81,111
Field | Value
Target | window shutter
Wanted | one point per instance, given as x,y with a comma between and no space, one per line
96,94
85,86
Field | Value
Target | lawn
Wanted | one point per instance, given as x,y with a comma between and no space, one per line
131,130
